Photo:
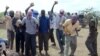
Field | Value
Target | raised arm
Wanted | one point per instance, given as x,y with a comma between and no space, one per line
5,12
6,17
53,6
31,5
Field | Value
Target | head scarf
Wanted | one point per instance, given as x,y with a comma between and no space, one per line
11,13
29,14
35,13
61,13
74,20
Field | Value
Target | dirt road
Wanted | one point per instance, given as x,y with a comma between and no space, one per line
81,48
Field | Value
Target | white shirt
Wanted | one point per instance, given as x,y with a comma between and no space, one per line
53,23
59,22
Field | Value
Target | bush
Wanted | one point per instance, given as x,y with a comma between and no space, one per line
1,15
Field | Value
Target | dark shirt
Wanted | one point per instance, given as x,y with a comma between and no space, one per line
43,24
92,27
20,29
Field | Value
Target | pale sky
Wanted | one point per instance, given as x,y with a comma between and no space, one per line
67,5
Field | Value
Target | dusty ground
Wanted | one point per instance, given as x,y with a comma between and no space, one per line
81,48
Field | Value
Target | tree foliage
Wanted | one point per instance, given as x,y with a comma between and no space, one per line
90,12
1,15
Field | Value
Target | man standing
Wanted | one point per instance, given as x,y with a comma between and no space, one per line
43,32
70,27
59,30
30,36
10,30
20,32
91,41
52,23
34,14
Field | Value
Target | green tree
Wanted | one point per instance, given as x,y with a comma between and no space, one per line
90,12
1,15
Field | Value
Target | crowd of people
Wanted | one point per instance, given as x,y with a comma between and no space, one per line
24,27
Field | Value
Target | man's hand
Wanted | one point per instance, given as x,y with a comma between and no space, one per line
7,7
56,2
32,4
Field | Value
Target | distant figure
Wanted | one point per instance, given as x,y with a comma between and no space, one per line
68,15
81,20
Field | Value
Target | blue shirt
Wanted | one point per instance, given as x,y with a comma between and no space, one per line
43,24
